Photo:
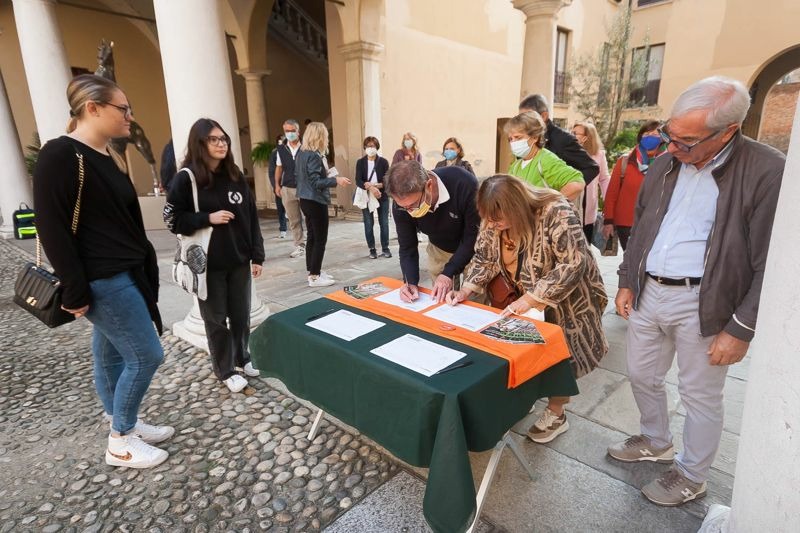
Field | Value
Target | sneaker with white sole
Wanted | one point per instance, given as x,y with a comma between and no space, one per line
250,370
548,427
147,432
673,489
639,448
319,281
235,383
300,251
132,452
282,235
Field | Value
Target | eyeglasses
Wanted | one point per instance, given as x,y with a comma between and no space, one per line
683,147
410,208
127,111
213,139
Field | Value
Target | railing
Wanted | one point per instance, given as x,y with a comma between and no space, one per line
290,21
560,88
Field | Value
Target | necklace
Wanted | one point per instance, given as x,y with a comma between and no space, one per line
508,244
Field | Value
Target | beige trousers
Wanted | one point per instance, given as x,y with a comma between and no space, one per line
295,217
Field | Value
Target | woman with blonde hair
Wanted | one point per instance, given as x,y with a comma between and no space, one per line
314,180
408,149
106,265
589,139
533,239
536,164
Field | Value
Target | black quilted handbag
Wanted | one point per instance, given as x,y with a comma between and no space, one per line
38,290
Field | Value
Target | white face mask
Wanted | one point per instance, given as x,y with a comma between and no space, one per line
371,151
520,148
409,144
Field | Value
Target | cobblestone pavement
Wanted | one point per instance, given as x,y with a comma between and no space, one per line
238,462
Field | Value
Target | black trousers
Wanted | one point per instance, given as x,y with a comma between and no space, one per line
316,234
226,314
624,233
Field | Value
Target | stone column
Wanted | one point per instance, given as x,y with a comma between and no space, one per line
46,66
539,56
197,77
259,131
362,75
765,495
14,186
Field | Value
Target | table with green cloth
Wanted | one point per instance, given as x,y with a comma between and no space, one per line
428,422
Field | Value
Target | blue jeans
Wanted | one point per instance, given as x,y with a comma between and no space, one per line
281,213
383,221
125,345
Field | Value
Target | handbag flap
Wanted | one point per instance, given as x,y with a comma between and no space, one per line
36,287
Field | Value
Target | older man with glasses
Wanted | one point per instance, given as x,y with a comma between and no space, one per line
440,204
690,279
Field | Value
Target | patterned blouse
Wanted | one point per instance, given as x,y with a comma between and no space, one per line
559,271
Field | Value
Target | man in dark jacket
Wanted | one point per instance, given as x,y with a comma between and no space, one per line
690,280
560,142
272,166
441,204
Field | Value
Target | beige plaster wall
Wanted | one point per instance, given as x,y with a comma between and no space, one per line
138,71
450,68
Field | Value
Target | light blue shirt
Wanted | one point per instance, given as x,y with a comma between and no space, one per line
679,248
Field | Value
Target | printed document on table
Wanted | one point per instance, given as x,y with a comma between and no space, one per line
464,316
418,355
393,298
345,325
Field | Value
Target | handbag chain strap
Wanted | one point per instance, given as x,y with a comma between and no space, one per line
76,212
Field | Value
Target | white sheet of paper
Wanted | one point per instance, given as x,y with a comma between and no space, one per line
418,354
464,316
534,314
393,298
345,325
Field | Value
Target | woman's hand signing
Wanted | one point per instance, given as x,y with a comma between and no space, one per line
221,217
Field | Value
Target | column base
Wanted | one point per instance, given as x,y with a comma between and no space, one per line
717,520
6,232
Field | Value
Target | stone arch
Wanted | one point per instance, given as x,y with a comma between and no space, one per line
762,81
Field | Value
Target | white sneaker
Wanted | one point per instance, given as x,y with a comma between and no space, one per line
325,275
319,281
300,251
133,452
235,383
282,235
250,370
147,432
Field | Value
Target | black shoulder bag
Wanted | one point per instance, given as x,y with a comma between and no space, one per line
38,290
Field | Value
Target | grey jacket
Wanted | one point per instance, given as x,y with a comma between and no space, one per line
312,181
749,182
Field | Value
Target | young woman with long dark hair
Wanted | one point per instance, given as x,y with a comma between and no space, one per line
236,249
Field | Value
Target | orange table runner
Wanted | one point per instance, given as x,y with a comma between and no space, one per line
524,360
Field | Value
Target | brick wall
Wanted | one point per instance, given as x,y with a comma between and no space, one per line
778,114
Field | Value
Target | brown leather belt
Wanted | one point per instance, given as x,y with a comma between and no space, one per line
673,282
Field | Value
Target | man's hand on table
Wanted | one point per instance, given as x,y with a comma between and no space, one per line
409,293
441,287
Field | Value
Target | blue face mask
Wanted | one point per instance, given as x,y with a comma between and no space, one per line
649,143
291,136
450,154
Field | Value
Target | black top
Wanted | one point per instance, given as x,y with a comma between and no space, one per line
168,166
564,145
453,227
232,244
272,165
288,178
111,238
380,168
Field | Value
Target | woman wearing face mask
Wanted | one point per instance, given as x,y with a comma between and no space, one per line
538,165
626,179
453,154
588,138
313,189
236,249
409,149
370,170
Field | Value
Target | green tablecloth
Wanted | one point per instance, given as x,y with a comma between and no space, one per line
427,422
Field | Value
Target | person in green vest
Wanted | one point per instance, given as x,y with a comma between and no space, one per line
538,165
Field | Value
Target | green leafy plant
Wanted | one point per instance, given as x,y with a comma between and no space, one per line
32,153
260,153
